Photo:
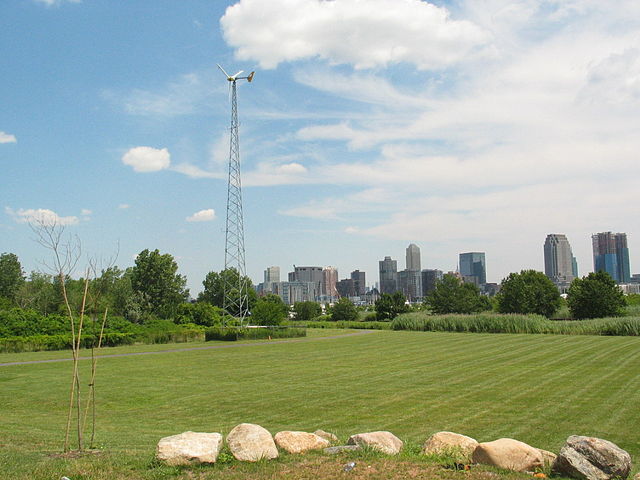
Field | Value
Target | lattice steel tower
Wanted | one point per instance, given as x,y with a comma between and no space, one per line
236,298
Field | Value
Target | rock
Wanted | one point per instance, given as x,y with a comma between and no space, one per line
592,459
509,454
330,437
342,448
547,457
385,442
636,476
299,442
249,442
443,441
188,448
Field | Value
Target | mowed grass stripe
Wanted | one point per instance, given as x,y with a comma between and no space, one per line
496,389
412,383
566,393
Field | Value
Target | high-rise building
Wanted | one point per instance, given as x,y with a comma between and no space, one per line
359,285
559,263
292,292
410,284
329,281
346,287
271,276
308,274
388,275
413,258
473,268
611,255
429,279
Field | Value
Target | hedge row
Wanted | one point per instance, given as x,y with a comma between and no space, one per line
35,343
232,334
342,324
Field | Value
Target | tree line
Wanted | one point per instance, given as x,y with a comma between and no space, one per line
153,288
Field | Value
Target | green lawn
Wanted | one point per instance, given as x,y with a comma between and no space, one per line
535,388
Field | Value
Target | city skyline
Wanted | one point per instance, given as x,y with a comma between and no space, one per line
559,264
515,122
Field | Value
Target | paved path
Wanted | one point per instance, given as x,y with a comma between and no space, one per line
190,349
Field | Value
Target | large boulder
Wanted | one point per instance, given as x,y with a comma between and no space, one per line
592,459
327,436
385,442
548,457
448,441
299,442
250,443
509,454
189,448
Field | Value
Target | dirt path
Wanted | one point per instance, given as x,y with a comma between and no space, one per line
190,349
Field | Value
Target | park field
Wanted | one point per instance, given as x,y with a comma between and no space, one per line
536,388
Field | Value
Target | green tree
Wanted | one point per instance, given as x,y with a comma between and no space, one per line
155,277
595,296
344,310
269,310
304,311
214,282
39,294
11,275
389,306
452,295
201,313
528,292
113,289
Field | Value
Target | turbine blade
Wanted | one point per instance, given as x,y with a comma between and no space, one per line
225,73
236,75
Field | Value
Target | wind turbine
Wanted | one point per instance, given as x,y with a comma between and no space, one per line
236,296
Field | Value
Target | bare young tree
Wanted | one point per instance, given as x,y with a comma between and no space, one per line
66,252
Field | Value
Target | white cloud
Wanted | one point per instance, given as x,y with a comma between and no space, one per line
615,80
362,87
318,210
147,159
194,171
202,216
7,138
85,211
185,95
41,216
365,34
124,206
271,173
51,3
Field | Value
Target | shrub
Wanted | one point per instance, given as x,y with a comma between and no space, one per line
452,295
201,313
344,310
389,306
595,296
304,311
269,310
528,292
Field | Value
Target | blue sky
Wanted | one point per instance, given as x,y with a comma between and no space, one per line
471,125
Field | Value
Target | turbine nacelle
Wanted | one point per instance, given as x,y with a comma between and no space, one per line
233,78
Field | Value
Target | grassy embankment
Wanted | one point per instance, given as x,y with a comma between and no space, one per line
536,388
